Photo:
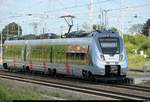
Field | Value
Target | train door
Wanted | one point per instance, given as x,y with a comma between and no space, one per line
23,53
28,57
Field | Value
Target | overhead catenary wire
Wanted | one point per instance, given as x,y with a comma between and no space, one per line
79,14
77,6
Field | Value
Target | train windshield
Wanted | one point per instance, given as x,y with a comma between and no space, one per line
110,45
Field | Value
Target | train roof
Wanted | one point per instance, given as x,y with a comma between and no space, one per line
105,33
63,41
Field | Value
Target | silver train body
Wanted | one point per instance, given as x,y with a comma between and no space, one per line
102,55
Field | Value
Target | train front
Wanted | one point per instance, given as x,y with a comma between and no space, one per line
109,55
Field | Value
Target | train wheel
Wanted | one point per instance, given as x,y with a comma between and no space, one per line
49,71
27,69
9,69
90,76
42,73
5,66
31,72
23,68
84,74
54,72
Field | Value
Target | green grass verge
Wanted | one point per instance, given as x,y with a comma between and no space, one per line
137,61
17,92
9,93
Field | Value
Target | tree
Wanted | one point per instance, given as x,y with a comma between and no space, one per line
146,28
94,27
97,27
12,29
136,28
114,29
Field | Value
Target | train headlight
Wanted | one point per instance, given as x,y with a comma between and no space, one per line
102,57
120,57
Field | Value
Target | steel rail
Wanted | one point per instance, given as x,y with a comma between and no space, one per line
133,87
98,92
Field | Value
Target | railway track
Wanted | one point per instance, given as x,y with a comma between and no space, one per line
134,87
80,88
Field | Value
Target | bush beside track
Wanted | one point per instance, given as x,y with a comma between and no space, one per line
137,42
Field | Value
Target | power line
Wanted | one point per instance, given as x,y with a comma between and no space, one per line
135,6
83,5
75,6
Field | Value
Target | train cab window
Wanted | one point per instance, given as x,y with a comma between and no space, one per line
110,45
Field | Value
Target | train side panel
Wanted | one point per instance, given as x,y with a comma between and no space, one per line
13,55
65,59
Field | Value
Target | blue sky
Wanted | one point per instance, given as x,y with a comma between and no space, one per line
46,13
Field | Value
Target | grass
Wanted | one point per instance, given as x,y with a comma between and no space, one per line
137,42
137,61
8,91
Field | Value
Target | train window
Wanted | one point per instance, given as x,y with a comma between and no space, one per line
76,58
58,54
8,52
13,52
110,45
17,52
77,54
40,53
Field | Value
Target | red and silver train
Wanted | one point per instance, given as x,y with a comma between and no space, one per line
99,55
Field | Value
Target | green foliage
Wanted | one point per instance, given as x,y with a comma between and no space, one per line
146,28
10,30
96,27
137,61
143,46
130,47
8,93
138,42
114,29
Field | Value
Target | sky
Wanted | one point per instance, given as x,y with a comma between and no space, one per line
46,14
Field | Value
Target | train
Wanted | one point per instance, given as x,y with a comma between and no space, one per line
100,55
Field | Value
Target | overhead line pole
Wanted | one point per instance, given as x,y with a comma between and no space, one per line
1,61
